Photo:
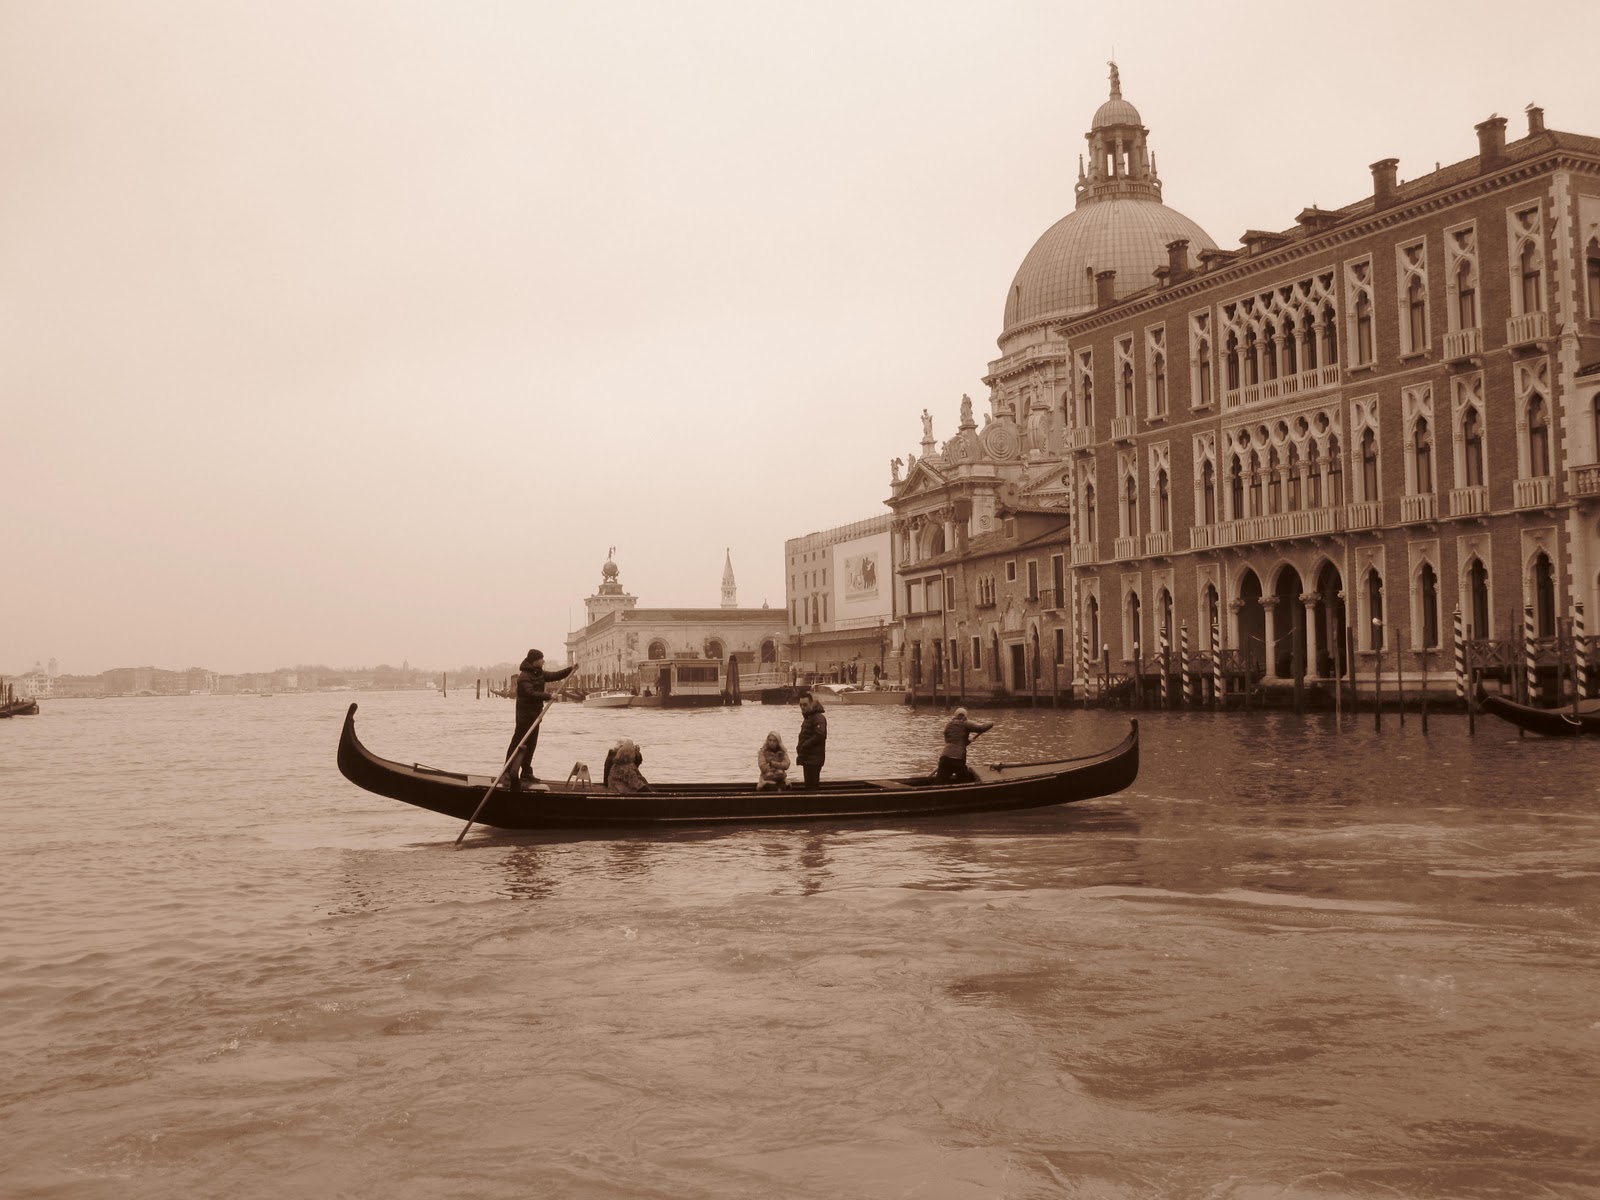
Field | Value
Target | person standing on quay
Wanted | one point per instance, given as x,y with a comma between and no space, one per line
531,697
811,750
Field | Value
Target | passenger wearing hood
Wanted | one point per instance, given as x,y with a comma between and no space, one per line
811,749
772,760
531,697
624,775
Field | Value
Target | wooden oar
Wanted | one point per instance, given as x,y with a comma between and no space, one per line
515,751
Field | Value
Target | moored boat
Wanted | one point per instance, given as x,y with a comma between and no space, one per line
611,698
1548,722
999,787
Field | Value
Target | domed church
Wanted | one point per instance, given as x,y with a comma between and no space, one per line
1008,482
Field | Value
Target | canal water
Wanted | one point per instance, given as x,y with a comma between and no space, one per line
1294,960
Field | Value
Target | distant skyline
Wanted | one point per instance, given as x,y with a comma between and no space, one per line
355,333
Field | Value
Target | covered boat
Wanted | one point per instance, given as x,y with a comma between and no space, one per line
573,805
1550,722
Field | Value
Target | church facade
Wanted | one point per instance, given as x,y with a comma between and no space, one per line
1303,453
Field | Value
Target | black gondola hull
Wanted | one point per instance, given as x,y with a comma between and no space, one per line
572,806
1548,722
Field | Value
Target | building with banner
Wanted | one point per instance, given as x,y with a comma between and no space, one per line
839,585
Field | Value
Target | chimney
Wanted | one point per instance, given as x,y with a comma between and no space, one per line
1105,283
1178,258
1535,120
1491,143
1163,276
1383,181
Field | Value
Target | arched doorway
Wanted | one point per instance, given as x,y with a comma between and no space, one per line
1133,642
1289,633
1544,596
1477,613
658,649
769,651
1331,622
1252,642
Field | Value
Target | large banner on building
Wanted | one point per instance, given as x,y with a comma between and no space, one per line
863,578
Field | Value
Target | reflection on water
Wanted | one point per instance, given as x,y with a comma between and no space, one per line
1297,958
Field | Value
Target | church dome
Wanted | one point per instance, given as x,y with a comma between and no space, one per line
1128,236
1119,224
1115,111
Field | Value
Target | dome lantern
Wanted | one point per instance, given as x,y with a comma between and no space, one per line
1118,223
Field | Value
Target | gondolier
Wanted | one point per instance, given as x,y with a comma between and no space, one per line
958,731
531,697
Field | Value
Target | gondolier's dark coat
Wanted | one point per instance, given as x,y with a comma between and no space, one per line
531,690
811,750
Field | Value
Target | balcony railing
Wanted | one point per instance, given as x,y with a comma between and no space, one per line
1125,547
1538,492
1271,527
1051,597
1529,327
1463,343
1122,429
1158,543
1305,383
1084,552
1584,481
1079,437
1419,508
1202,537
1361,516
1469,501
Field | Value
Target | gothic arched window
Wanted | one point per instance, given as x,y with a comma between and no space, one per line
1422,454
1472,447
1428,598
1538,437
1369,465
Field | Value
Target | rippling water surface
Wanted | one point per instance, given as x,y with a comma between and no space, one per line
1294,960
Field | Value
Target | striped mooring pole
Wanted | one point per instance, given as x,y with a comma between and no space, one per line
1183,661
1166,664
1216,663
1529,656
1580,650
1461,657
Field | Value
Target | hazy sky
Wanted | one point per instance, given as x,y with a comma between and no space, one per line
357,332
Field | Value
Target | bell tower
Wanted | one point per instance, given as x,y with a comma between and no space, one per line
730,591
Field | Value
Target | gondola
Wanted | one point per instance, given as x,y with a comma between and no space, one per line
1550,722
577,805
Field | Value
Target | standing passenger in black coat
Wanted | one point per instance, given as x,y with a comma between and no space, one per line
811,750
531,697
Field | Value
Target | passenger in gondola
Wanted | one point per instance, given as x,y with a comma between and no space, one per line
811,749
958,731
611,759
622,775
531,697
772,760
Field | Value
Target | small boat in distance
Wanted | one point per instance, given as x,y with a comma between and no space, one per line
611,698
999,787
1547,722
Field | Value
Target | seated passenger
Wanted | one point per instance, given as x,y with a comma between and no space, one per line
624,774
772,760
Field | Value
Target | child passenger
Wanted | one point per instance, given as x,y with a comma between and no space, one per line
773,762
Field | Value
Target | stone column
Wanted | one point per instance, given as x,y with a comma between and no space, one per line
1269,606
1235,607
1313,643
